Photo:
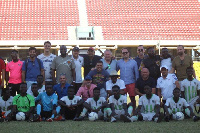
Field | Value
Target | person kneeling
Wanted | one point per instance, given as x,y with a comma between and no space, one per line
96,104
177,104
47,109
118,104
149,106
71,105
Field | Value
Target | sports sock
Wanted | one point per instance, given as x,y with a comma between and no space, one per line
83,112
58,109
39,109
130,110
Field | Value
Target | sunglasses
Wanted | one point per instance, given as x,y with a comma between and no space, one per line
140,50
124,52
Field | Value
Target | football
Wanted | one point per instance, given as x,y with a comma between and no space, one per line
179,116
93,116
20,116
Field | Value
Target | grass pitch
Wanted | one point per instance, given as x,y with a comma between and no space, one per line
186,126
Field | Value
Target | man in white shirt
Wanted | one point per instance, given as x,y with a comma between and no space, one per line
166,84
47,58
115,81
79,63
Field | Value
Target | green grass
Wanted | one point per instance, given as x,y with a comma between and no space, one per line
99,127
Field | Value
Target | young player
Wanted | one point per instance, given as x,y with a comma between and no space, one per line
40,86
71,105
48,108
96,104
5,105
149,106
176,104
23,102
190,88
118,104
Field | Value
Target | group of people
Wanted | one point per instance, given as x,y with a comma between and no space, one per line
50,88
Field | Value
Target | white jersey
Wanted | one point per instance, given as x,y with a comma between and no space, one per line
149,104
69,102
94,104
190,88
29,91
167,85
47,61
78,63
5,104
167,62
118,103
119,82
176,107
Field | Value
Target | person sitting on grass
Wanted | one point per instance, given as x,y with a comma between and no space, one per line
23,102
118,104
6,102
71,105
149,107
47,109
176,104
96,104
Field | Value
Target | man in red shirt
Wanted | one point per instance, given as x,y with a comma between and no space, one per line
2,74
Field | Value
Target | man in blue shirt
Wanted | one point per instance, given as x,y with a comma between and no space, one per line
32,67
99,78
62,88
129,73
48,108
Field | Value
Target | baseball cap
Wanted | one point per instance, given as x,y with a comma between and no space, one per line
88,77
114,73
91,48
75,48
164,66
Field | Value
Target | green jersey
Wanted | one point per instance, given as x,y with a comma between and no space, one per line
23,103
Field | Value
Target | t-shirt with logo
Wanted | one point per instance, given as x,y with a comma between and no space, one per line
190,88
15,69
149,104
47,61
95,104
69,102
24,103
176,107
118,103
5,104
78,63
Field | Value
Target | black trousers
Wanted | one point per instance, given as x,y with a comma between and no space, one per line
70,114
14,89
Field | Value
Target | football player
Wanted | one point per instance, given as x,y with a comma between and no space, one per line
176,104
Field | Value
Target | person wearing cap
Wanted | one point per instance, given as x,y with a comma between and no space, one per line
63,64
90,61
78,60
114,81
86,90
47,59
109,64
143,81
166,84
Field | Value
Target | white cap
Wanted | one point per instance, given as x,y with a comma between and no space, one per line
164,66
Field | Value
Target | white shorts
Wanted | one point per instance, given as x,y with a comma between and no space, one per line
119,113
192,101
148,116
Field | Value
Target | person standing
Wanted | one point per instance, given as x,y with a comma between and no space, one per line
2,74
166,59
180,64
47,58
128,73
109,64
14,68
32,67
140,57
78,60
90,61
63,64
